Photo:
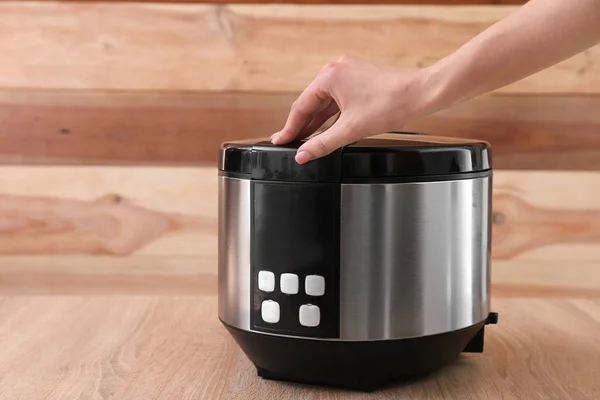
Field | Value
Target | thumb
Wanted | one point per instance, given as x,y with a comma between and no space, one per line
338,135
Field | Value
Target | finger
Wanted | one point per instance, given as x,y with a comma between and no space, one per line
338,135
319,120
313,99
315,115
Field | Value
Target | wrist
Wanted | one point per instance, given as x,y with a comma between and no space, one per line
434,84
416,93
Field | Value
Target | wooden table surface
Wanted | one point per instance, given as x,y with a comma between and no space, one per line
159,347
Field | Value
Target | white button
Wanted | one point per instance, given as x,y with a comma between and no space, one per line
310,315
266,281
270,311
314,285
289,283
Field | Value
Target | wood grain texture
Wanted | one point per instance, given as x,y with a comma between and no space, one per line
160,235
225,47
147,211
546,216
175,348
374,2
83,127
545,132
530,228
107,225
545,279
108,275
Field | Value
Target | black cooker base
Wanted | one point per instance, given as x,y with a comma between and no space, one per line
364,365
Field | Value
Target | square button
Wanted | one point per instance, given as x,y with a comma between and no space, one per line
310,315
289,283
266,281
270,311
314,285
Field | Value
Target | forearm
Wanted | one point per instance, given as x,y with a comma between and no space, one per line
537,36
373,99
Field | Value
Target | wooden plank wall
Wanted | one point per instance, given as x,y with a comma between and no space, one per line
111,115
232,47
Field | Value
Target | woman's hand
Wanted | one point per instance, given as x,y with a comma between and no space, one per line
374,99
370,99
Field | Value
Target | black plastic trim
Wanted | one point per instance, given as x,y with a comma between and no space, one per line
476,345
235,175
357,365
415,179
405,157
235,158
379,158
278,163
412,179
492,319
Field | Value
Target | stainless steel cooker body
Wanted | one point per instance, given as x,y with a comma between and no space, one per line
414,258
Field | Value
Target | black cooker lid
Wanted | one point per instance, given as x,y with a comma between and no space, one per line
389,157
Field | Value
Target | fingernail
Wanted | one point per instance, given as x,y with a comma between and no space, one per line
302,157
274,137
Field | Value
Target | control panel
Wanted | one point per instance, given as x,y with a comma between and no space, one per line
295,258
